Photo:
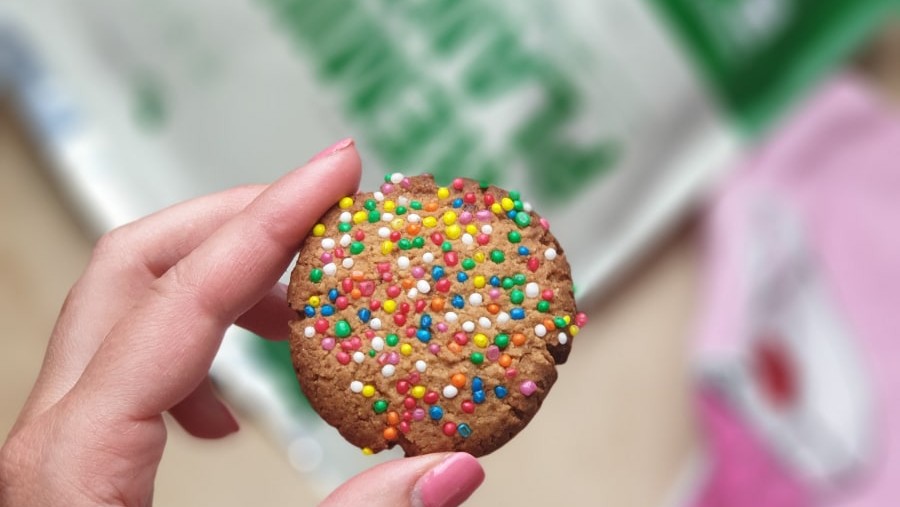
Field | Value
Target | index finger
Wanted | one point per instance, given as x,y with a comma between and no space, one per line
174,332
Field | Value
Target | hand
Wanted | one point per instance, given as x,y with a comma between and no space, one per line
138,332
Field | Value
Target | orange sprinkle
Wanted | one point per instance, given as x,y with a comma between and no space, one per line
458,379
431,206
357,276
505,360
393,418
518,339
548,323
413,229
493,309
437,304
409,283
390,433
355,293
454,347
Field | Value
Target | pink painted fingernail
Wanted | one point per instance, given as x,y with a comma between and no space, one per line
450,483
334,148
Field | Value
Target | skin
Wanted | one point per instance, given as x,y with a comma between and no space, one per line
139,330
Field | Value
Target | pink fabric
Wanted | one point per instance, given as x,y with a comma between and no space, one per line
838,160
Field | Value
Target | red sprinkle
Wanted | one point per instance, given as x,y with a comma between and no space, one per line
482,238
431,397
547,295
458,183
347,284
321,325
343,357
533,264
420,305
451,258
460,338
360,235
469,198
339,252
449,429
399,319
404,307
442,285
409,402
437,238
384,267
413,377
374,305
402,387
468,407
341,302
410,332
488,200
404,425
395,236
393,291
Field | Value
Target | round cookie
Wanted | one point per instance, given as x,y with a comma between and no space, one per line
430,317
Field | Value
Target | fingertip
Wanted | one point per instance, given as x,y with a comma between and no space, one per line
450,483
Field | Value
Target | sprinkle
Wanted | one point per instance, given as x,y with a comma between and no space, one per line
550,254
468,326
449,429
475,299
329,269
388,370
480,340
540,330
562,338
501,340
358,357
378,343
476,358
421,366
443,193
347,263
309,331
451,317
500,392
427,257
328,243
368,390
478,397
356,386
342,329
517,313
450,391
423,287
375,324
367,451
484,322
406,349
384,232
464,430
502,318
436,412
396,178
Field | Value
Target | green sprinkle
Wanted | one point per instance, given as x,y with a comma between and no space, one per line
392,340
372,352
315,275
523,219
559,322
514,237
446,246
344,227
507,283
387,178
374,216
404,244
401,210
357,247
518,206
497,256
501,340
476,358
519,279
380,406
517,296
483,185
543,306
468,264
370,204
514,195
418,242
416,205
342,329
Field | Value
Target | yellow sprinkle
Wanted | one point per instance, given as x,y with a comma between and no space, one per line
389,206
417,391
360,217
345,202
479,257
478,281
397,223
429,222
406,349
496,208
314,301
368,390
567,319
453,232
573,330
471,229
387,247
319,230
507,204
367,452
443,192
480,340
389,306
449,218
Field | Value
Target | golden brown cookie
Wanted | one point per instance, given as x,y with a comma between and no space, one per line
431,317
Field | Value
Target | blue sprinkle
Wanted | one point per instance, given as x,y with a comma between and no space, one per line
477,384
523,250
458,301
461,277
495,281
464,430
512,213
425,321
364,315
423,335
309,311
327,310
517,313
478,397
458,202
333,294
437,272
501,392
436,412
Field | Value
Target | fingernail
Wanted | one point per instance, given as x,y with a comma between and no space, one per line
450,483
334,148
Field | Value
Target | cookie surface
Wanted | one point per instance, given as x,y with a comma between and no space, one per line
430,317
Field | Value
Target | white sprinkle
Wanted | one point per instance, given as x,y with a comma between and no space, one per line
309,331
329,269
484,322
475,299
403,200
413,218
378,196
487,229
550,254
532,290
427,257
540,331
421,365
346,217
413,293
451,317
346,240
526,206
468,326
384,232
356,386
359,357
396,178
327,243
375,324
423,287
378,343
403,262
388,370
347,262
450,392
563,339
502,318
467,239
387,217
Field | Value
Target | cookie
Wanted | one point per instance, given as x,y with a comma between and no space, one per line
431,317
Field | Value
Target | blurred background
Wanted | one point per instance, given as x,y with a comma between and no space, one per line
666,122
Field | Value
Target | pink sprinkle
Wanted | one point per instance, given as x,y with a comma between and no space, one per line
367,288
382,359
418,272
384,267
326,258
434,348
442,327
405,183
544,223
359,235
404,427
328,343
527,388
465,217
482,238
460,338
346,346
346,284
393,358
374,305
393,291
387,188
339,252
343,357
484,215
355,343
580,319
413,377
458,183
370,334
511,373
494,293
493,353
387,277
420,305
341,302
418,414
410,332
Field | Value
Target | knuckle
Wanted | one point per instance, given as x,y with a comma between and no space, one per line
112,245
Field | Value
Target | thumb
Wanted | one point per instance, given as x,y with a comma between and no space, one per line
433,480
